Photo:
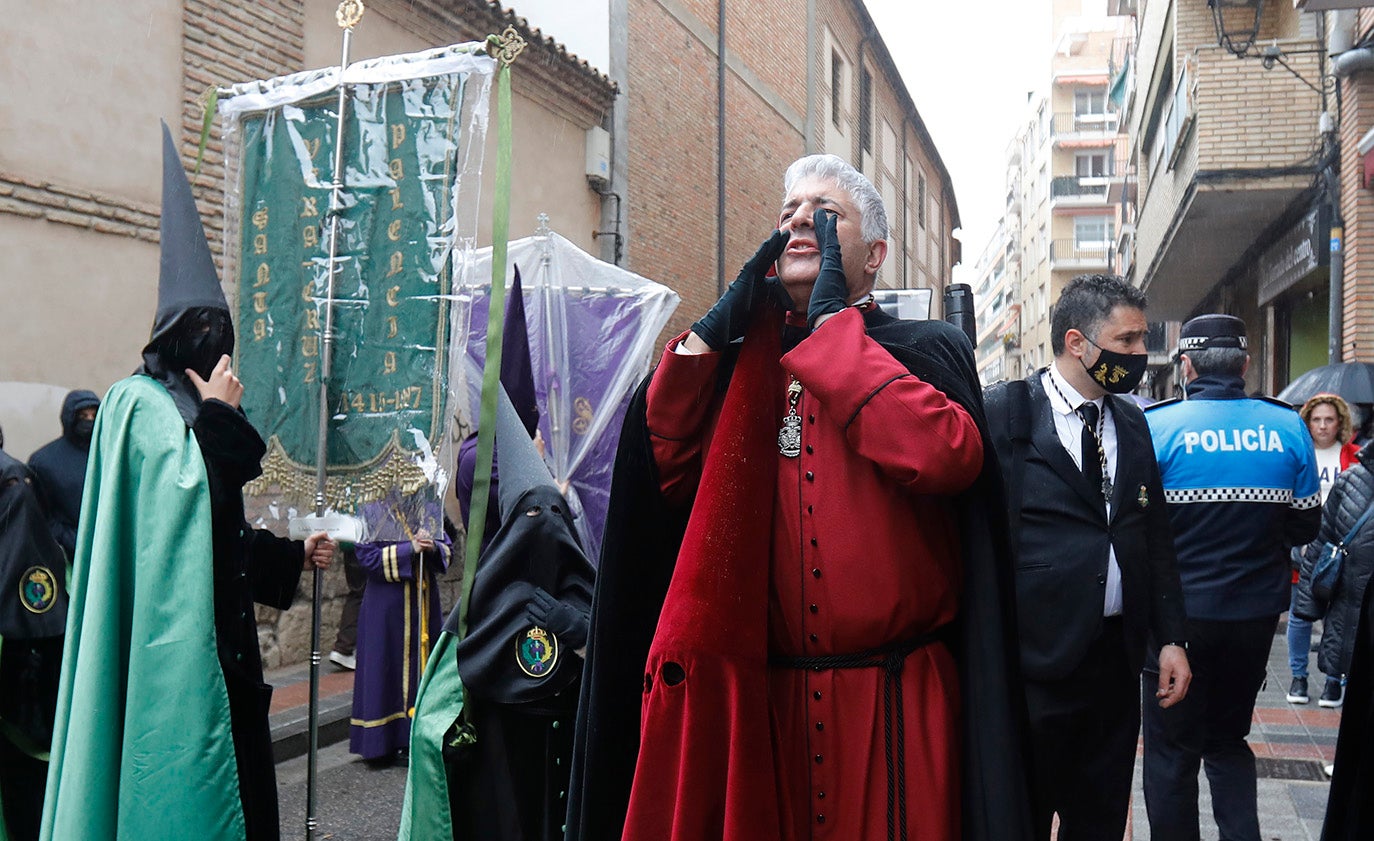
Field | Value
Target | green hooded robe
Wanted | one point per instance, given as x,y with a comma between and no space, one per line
142,748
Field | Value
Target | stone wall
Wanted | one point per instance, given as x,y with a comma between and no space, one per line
284,635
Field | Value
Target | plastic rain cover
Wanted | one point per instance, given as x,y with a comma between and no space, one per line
413,139
592,328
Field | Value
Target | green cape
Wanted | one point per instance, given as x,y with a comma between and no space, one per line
425,813
142,748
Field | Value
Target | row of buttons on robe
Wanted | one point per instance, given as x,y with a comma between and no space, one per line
815,609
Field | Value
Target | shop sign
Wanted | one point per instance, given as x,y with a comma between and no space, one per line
1294,255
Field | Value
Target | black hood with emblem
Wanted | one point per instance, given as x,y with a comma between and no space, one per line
192,328
536,546
33,570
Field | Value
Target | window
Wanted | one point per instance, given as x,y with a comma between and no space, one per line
836,86
1089,102
921,201
1092,231
865,110
1091,165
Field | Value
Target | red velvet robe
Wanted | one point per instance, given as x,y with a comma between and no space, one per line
862,553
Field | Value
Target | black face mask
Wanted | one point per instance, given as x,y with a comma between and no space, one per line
1118,373
200,338
82,429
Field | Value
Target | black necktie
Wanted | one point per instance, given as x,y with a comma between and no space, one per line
1092,461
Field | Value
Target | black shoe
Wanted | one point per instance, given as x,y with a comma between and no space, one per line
1297,692
1333,695
386,760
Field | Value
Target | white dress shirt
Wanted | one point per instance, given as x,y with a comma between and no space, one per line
1069,426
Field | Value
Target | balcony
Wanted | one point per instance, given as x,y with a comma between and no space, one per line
1073,255
1218,169
1125,251
1079,190
1083,130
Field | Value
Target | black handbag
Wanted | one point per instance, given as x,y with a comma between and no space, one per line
1326,572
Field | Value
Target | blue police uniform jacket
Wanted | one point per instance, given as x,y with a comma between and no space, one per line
1240,479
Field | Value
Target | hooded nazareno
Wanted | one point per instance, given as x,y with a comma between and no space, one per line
510,785
162,713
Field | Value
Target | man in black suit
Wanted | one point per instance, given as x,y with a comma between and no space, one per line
1096,580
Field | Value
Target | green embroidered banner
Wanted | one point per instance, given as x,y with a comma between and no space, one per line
409,146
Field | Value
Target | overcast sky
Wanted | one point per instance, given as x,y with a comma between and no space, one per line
967,63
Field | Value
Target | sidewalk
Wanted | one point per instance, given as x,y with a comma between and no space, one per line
289,715
1291,743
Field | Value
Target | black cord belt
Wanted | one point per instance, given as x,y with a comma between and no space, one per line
889,658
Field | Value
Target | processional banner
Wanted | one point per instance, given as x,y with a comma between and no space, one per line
413,137
592,330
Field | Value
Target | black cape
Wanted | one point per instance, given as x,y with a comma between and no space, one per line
644,533
1349,809
33,610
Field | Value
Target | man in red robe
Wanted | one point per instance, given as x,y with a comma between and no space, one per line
840,548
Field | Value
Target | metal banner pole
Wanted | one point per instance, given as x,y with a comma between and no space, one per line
348,15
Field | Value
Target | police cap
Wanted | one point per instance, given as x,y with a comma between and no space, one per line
1212,331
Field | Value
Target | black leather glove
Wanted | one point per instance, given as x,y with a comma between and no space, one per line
729,318
831,292
568,623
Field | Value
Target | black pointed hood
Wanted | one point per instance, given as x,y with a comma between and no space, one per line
535,546
522,470
186,275
517,373
187,284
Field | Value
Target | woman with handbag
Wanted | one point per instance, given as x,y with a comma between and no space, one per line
1336,568
1328,419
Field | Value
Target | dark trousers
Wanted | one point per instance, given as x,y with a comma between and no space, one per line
22,780
1208,726
1083,737
356,577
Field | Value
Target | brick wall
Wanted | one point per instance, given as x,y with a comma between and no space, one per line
1357,210
223,44
1246,117
1252,117
671,160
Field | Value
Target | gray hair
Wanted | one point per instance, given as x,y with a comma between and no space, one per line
1225,361
872,214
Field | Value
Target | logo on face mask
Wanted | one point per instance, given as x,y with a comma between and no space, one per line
1118,373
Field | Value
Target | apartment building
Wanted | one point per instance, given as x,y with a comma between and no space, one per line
1062,216
997,308
1226,155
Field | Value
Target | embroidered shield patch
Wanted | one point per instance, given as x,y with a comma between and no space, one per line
38,589
536,652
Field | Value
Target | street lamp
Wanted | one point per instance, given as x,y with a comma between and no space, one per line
1237,23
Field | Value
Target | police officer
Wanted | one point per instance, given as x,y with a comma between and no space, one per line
1240,479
